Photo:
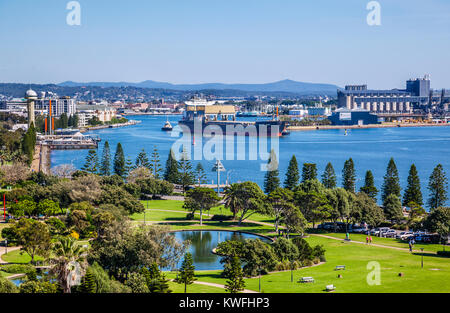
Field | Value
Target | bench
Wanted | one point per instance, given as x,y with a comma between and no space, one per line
339,267
306,280
330,288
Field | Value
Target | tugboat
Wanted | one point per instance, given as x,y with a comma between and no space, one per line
167,127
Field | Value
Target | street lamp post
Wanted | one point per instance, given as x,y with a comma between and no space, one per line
259,271
218,167
422,256
292,272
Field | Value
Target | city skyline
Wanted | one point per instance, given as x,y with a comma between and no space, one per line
232,42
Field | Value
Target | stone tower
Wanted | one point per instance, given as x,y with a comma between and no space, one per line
31,96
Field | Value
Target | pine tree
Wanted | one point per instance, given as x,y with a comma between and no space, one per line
391,184
349,176
70,122
292,174
75,121
142,160
91,163
413,192
119,161
235,283
88,284
29,143
200,175
186,176
160,285
63,121
186,275
171,174
309,172
129,166
392,208
271,179
329,177
437,186
105,165
369,186
155,164
156,281
154,271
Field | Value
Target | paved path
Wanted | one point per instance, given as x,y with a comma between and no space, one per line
2,251
372,244
218,286
221,286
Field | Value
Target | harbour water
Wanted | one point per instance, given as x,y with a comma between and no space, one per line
370,149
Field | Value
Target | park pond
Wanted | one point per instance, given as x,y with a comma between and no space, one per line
203,242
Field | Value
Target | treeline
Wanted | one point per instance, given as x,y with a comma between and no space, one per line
63,122
324,200
259,257
96,122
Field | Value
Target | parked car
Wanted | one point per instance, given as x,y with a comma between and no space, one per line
404,235
326,226
359,230
390,233
377,230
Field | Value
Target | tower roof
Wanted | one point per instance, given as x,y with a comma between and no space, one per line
30,94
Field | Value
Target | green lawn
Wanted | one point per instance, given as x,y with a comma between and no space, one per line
4,274
175,205
18,256
228,225
389,242
432,278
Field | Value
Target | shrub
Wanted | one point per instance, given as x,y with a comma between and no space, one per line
17,268
444,253
190,216
220,217
6,286
307,262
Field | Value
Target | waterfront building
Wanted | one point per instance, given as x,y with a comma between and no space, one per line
86,112
418,93
298,112
344,116
319,111
60,105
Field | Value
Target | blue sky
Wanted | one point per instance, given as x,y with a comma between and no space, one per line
245,41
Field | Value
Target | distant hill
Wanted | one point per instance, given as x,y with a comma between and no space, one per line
280,86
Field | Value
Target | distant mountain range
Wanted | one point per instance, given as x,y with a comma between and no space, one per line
280,86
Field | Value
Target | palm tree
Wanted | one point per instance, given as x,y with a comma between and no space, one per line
68,262
232,198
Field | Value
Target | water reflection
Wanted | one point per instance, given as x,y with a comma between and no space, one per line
203,242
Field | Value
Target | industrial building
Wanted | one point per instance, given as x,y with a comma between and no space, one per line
418,93
344,116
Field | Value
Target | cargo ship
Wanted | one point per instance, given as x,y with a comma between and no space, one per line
206,117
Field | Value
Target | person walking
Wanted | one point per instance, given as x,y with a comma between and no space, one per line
370,239
367,240
410,246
